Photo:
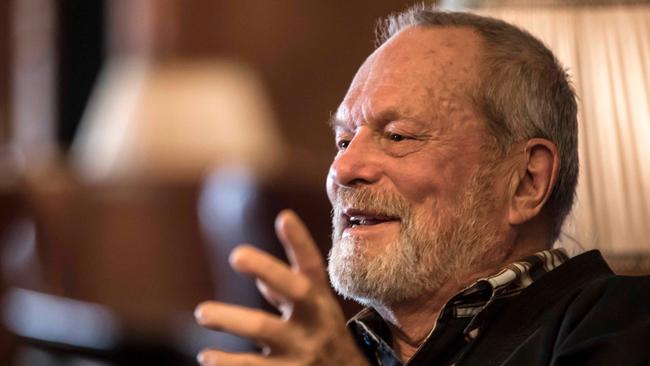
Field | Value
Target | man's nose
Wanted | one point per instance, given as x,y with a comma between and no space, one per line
359,163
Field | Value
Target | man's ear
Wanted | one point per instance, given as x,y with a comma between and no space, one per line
533,183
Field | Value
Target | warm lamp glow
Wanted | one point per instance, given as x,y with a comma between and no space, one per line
174,120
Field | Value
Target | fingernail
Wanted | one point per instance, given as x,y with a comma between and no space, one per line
281,217
237,257
198,312
200,357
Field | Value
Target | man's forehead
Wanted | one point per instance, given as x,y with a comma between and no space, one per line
435,44
425,67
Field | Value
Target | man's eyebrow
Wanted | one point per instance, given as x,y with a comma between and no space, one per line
383,117
388,115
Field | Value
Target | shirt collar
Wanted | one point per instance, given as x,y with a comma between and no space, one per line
508,281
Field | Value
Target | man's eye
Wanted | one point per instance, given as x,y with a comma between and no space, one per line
395,137
342,144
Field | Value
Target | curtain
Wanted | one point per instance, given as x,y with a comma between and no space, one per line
606,50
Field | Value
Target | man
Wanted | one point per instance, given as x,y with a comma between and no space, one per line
456,166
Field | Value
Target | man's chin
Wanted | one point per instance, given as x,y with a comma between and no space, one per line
369,295
377,278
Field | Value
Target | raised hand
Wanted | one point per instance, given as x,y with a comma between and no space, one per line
311,329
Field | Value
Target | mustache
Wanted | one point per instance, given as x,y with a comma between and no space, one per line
366,199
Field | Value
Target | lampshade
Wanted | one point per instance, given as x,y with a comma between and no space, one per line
173,120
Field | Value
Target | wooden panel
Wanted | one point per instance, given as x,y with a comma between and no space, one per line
136,250
5,51
9,205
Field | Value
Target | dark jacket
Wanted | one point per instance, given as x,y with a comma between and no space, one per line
580,313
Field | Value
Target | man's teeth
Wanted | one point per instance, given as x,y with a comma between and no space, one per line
364,221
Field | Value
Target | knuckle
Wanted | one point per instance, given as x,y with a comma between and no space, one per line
314,267
263,326
304,289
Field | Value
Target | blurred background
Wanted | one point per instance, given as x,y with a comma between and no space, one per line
140,140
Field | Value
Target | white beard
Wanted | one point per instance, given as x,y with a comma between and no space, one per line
427,253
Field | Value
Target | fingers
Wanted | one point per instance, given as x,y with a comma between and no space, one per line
212,357
244,322
300,247
273,298
272,271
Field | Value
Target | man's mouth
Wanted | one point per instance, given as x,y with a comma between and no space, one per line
360,218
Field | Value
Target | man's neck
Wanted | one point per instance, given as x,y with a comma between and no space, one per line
410,323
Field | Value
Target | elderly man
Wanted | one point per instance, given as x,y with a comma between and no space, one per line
456,166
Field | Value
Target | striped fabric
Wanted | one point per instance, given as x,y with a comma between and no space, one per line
508,281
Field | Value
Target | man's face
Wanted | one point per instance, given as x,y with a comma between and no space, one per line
410,186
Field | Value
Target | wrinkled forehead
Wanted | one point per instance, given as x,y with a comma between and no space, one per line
435,66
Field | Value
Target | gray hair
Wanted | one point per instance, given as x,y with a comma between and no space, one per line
524,91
